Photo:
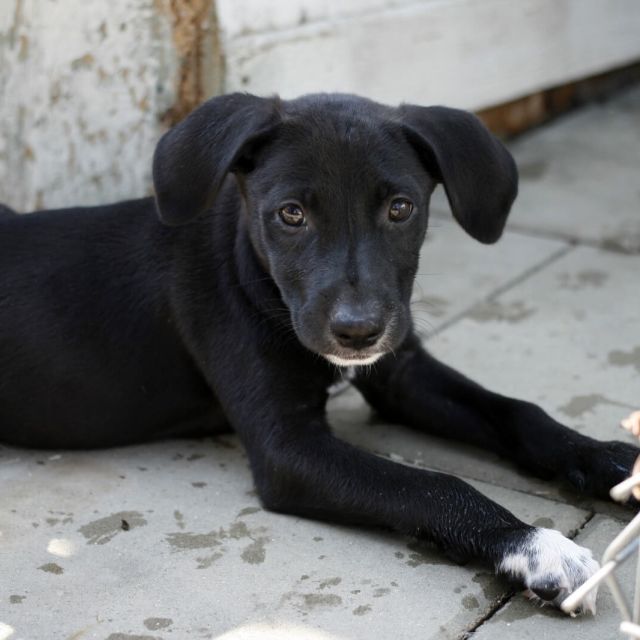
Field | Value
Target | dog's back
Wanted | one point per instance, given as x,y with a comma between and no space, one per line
85,332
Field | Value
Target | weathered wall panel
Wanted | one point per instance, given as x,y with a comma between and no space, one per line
86,87
467,53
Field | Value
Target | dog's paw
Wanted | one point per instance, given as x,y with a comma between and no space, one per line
596,466
549,567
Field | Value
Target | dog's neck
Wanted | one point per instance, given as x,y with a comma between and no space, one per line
254,279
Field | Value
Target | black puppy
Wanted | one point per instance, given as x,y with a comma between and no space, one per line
305,223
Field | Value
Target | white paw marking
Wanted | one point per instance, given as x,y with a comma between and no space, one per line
546,560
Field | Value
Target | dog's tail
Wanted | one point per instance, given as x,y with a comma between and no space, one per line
6,211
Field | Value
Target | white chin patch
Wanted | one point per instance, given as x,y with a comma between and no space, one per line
352,362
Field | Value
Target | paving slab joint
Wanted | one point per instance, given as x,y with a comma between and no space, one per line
495,607
510,284
606,244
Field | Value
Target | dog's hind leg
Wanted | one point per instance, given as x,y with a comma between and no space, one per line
414,388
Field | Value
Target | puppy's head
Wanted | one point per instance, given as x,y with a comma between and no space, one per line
336,191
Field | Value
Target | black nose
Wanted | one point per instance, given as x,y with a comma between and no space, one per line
355,330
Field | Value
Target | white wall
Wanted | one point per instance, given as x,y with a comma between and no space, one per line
467,53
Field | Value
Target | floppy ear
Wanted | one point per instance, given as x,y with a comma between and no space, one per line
193,158
478,173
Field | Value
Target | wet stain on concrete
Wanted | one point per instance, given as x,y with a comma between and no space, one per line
52,567
470,602
255,552
188,540
313,600
533,169
153,624
16,599
238,530
362,610
546,523
247,511
592,277
62,518
626,358
625,243
330,582
104,530
579,405
491,588
206,561
380,592
582,279
306,602
424,553
179,518
493,310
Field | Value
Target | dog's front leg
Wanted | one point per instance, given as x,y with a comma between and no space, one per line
416,389
300,468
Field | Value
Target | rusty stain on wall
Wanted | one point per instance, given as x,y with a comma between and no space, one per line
17,22
196,39
516,116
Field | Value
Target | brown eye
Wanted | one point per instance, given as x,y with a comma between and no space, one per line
292,215
400,209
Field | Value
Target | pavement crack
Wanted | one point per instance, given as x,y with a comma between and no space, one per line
604,244
493,609
587,519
